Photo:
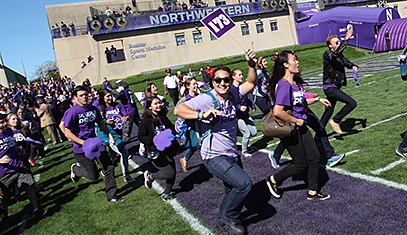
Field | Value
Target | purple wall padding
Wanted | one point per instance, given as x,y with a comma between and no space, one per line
334,22
397,33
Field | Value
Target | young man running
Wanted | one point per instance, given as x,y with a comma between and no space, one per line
219,150
78,125
334,78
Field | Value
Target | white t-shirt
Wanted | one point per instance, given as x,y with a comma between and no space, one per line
171,81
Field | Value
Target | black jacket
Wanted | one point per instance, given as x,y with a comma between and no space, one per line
146,133
334,66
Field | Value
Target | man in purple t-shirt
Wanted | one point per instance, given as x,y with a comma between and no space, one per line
13,171
219,150
78,125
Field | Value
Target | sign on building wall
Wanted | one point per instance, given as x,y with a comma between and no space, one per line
114,25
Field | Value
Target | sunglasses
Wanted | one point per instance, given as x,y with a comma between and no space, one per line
219,80
337,42
2,121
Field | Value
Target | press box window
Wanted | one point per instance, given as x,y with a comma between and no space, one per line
220,2
273,26
180,39
213,38
245,30
260,28
197,37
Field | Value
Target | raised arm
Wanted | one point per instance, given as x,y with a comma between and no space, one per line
251,74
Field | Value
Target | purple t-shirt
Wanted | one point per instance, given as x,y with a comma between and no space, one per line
290,95
8,147
115,113
222,140
81,121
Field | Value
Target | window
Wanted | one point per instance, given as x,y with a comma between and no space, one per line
213,38
396,7
180,38
220,2
273,26
260,28
114,51
245,30
197,37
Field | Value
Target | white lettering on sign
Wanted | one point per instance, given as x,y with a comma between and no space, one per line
221,21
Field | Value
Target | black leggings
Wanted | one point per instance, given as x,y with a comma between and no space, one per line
304,152
334,95
165,164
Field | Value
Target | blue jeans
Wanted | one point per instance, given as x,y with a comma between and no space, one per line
189,153
236,181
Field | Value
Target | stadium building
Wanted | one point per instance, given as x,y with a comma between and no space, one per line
148,39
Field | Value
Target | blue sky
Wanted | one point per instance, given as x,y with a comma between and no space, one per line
25,34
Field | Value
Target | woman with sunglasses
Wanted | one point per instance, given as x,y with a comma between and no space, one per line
217,113
114,114
155,121
245,122
287,93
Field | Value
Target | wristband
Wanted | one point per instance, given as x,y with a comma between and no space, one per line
200,115
251,63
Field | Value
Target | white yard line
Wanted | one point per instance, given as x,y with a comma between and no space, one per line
188,217
388,167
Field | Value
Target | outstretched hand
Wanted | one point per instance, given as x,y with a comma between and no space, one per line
250,55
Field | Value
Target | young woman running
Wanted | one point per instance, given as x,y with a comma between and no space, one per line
287,94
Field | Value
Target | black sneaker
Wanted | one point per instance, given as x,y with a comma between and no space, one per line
116,199
274,190
318,197
40,213
148,180
400,152
3,214
167,196
74,178
234,226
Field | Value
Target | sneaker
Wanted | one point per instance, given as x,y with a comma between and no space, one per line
234,225
318,197
129,179
400,152
184,164
167,196
40,213
246,155
148,181
74,178
116,199
335,159
141,149
102,173
276,192
273,161
3,214
335,126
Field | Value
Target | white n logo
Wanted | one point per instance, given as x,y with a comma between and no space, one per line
388,14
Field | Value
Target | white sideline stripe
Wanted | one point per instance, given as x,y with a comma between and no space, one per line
37,177
257,137
188,217
368,178
388,167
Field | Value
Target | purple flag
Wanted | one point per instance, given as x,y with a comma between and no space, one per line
218,23
355,76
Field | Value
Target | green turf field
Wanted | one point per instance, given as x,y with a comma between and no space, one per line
372,134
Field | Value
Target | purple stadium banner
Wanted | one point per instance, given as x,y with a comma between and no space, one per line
218,22
121,24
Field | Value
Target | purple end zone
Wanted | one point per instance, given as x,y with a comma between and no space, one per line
355,207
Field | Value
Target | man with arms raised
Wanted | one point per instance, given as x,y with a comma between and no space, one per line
218,128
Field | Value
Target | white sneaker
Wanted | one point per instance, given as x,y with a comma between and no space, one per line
246,154
141,149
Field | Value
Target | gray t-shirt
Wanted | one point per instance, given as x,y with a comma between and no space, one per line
222,139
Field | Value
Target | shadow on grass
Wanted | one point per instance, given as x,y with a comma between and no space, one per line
197,177
348,126
261,143
52,163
